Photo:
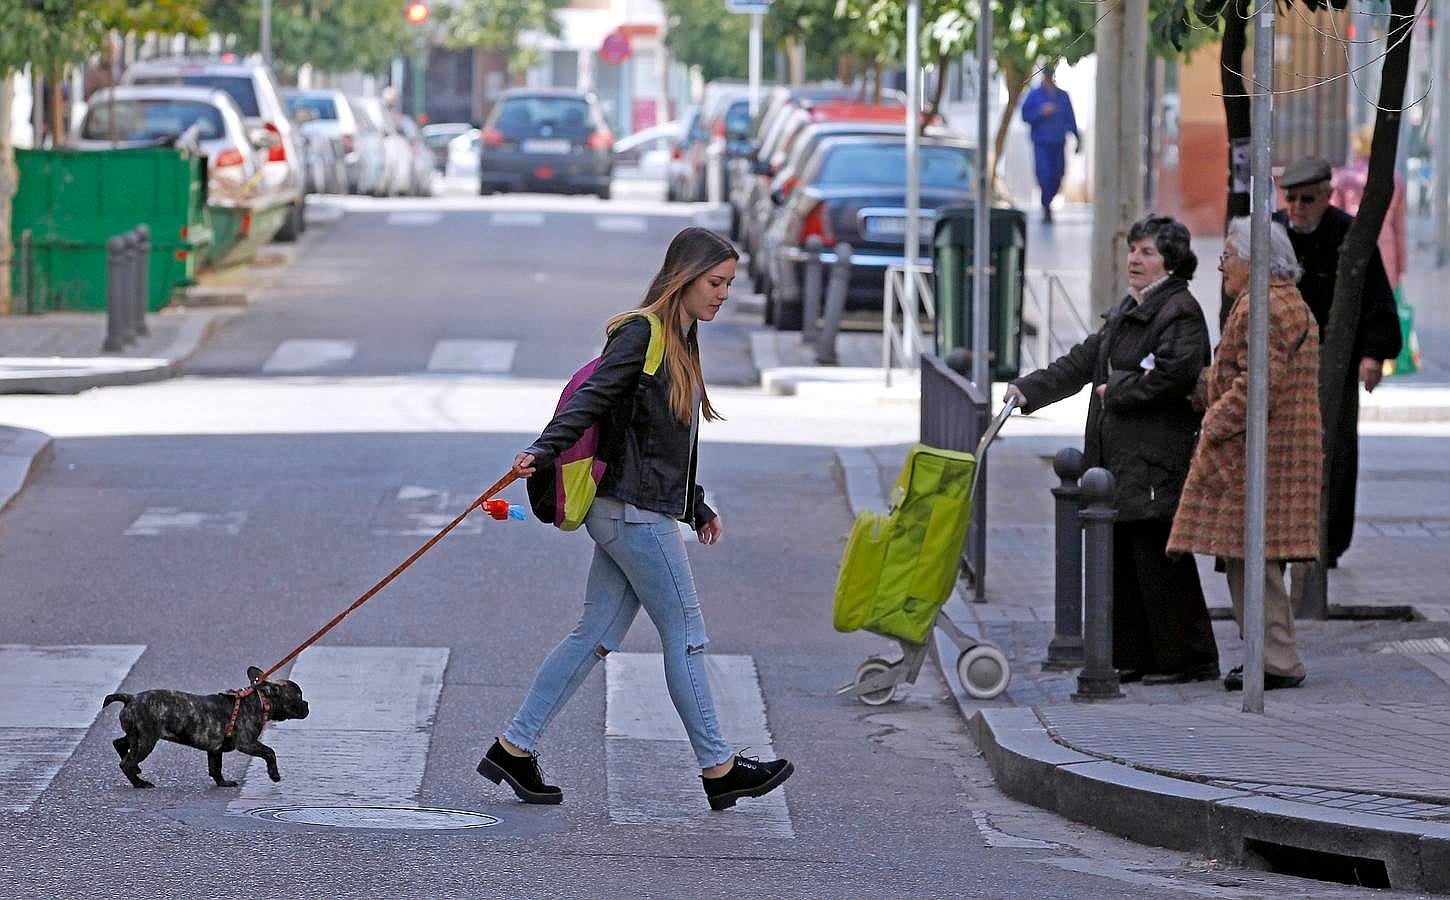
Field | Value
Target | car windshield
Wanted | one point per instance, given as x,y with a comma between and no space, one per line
526,113
239,86
885,164
322,107
737,120
149,120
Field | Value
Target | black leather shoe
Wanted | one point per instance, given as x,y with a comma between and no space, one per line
1128,676
747,778
1199,673
1234,680
521,772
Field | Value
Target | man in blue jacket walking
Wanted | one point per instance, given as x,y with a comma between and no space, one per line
1048,111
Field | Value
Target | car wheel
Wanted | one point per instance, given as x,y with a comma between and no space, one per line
769,311
604,193
291,228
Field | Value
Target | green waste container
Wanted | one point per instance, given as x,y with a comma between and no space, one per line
951,255
73,201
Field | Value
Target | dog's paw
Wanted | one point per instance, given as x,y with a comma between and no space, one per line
275,776
225,783
144,784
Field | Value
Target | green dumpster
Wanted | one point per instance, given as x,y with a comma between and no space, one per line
242,228
951,254
72,201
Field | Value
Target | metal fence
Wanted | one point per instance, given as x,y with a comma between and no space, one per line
955,414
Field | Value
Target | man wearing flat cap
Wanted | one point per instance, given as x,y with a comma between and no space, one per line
1317,230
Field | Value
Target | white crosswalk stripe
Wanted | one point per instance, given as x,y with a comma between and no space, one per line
492,357
517,219
648,757
622,224
300,355
366,737
52,695
415,218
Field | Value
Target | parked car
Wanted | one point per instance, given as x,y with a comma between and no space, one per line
853,190
677,186
333,115
726,126
439,136
463,155
136,116
397,176
252,85
546,140
751,197
420,182
646,153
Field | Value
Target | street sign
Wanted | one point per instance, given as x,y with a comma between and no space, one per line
747,6
615,49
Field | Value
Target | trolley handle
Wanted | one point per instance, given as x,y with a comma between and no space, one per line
995,426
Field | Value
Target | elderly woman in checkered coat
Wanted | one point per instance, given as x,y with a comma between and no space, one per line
1210,517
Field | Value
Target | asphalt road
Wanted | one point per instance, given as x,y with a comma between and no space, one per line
189,529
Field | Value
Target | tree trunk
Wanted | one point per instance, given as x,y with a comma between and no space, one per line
1237,116
7,191
876,81
1337,349
943,69
1015,86
55,84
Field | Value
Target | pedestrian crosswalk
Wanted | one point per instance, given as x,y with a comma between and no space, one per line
449,356
368,740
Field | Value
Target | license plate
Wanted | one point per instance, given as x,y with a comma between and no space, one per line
544,146
893,226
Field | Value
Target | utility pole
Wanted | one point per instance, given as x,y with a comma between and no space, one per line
1122,49
1261,193
1440,142
265,44
755,41
982,211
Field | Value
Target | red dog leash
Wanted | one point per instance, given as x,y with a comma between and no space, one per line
482,499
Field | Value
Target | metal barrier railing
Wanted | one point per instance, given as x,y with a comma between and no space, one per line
906,342
955,413
1053,305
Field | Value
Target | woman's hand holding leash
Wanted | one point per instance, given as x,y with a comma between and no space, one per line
524,465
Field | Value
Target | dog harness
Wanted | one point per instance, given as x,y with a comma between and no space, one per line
237,697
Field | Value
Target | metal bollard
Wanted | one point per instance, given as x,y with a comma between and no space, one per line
835,305
811,298
1066,650
141,279
1098,680
25,271
128,286
115,340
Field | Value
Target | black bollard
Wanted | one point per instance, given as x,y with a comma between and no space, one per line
141,275
127,293
115,290
811,296
836,286
1098,680
1066,651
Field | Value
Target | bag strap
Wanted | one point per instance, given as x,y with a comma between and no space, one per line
654,354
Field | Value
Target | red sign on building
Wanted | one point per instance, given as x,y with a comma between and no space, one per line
615,49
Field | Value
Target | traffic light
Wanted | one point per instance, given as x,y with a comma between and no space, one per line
416,12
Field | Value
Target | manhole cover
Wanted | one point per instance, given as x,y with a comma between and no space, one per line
397,818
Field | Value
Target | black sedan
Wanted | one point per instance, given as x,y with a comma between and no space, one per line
546,140
853,190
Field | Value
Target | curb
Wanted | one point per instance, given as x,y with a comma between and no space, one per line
21,458
122,371
1248,829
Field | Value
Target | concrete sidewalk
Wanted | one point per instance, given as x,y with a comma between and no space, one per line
1343,778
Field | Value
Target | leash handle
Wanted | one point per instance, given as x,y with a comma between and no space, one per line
498,486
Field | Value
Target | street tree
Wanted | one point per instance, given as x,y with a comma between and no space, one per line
704,34
329,35
497,25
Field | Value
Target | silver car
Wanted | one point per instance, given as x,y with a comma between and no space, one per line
251,84
333,115
207,118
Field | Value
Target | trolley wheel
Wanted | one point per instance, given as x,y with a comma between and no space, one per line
984,671
869,668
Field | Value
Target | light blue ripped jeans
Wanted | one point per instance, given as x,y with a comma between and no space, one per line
639,560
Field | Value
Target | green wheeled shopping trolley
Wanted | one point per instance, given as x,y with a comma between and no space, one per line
900,567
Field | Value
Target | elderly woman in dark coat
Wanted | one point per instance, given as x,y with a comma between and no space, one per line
1211,517
1143,365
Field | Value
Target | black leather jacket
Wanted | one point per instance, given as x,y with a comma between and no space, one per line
647,451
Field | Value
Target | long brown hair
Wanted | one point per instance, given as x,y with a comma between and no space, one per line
692,253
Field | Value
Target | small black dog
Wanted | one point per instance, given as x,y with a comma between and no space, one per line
201,721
